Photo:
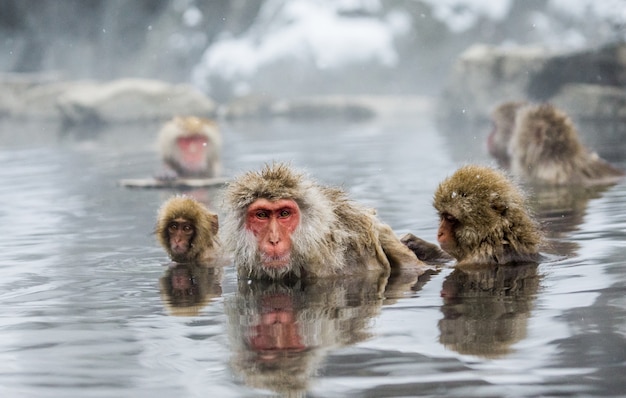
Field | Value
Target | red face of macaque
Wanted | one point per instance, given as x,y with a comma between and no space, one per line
193,151
180,233
272,223
445,234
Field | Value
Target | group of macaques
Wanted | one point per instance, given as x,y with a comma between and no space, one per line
280,223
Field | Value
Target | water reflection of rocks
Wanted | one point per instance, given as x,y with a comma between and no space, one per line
280,332
486,308
187,288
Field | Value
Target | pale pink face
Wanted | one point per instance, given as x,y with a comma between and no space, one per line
193,151
272,223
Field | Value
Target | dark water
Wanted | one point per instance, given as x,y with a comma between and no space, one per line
86,311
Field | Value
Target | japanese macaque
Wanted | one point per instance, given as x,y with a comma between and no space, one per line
503,121
544,147
484,218
187,230
190,146
279,223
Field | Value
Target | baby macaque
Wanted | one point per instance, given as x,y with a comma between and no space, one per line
282,224
187,230
484,219
543,147
190,146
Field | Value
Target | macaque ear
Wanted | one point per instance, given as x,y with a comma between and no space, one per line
497,203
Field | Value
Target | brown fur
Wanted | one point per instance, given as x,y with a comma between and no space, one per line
204,244
181,126
545,149
493,224
428,252
335,236
503,120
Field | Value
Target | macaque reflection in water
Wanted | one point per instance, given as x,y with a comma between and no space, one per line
486,308
280,333
187,288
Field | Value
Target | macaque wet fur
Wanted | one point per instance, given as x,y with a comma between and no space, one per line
484,218
187,230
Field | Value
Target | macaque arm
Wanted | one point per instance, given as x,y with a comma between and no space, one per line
398,254
425,251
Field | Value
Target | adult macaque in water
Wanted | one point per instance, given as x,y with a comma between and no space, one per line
190,146
484,219
544,147
281,223
187,230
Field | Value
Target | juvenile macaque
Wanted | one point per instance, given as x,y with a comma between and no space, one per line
190,146
187,230
281,223
540,144
484,219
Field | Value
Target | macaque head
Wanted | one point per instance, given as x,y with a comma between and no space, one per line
186,229
277,222
482,212
543,134
191,146
503,122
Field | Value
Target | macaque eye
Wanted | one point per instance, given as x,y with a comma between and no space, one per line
449,218
284,213
172,226
261,214
187,228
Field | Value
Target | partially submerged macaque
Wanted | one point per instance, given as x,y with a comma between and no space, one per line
190,146
484,219
281,223
187,230
540,144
